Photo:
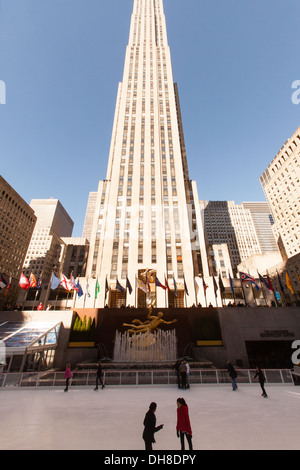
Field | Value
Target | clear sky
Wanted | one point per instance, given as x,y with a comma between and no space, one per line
61,61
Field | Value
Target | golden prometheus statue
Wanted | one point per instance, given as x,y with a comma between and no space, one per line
151,324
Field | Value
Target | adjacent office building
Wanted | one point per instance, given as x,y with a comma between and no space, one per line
17,222
281,185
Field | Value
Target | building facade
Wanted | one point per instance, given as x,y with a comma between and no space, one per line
146,221
17,222
281,185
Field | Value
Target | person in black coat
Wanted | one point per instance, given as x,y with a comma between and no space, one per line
232,374
99,376
150,426
261,379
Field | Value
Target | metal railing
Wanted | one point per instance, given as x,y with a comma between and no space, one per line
87,378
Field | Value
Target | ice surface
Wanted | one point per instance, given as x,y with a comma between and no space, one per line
112,419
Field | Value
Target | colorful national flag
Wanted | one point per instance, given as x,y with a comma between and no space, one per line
205,286
270,283
141,285
231,283
78,289
289,284
24,282
128,285
3,282
166,284
159,284
119,287
32,280
87,289
263,280
247,278
54,282
65,282
97,289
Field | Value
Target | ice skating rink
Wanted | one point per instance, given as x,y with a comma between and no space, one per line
112,419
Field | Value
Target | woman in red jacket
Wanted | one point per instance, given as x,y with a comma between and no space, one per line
183,427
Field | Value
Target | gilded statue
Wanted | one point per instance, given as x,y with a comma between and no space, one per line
151,324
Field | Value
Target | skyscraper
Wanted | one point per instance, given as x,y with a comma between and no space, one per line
145,224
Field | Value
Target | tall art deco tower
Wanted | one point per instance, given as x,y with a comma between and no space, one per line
145,226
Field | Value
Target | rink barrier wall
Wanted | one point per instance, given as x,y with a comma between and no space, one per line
139,377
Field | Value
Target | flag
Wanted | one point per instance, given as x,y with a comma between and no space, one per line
289,283
106,287
280,283
97,289
185,288
78,289
87,287
128,285
65,282
175,287
141,285
263,280
205,286
247,278
119,287
159,284
73,283
8,287
32,280
196,286
215,285
54,282
270,283
231,283
221,285
39,284
23,283
166,284
3,282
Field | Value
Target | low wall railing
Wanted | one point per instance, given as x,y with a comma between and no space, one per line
87,378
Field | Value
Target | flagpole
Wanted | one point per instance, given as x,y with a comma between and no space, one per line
262,288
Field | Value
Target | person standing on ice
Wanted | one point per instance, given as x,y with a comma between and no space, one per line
232,374
262,380
183,427
68,375
150,426
99,377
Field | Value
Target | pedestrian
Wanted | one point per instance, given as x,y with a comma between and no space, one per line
262,380
182,371
40,306
232,374
99,376
176,368
183,427
150,427
187,375
68,375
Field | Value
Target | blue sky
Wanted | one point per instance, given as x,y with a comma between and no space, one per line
61,61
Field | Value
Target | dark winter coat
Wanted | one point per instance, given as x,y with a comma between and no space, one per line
260,376
232,372
150,427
